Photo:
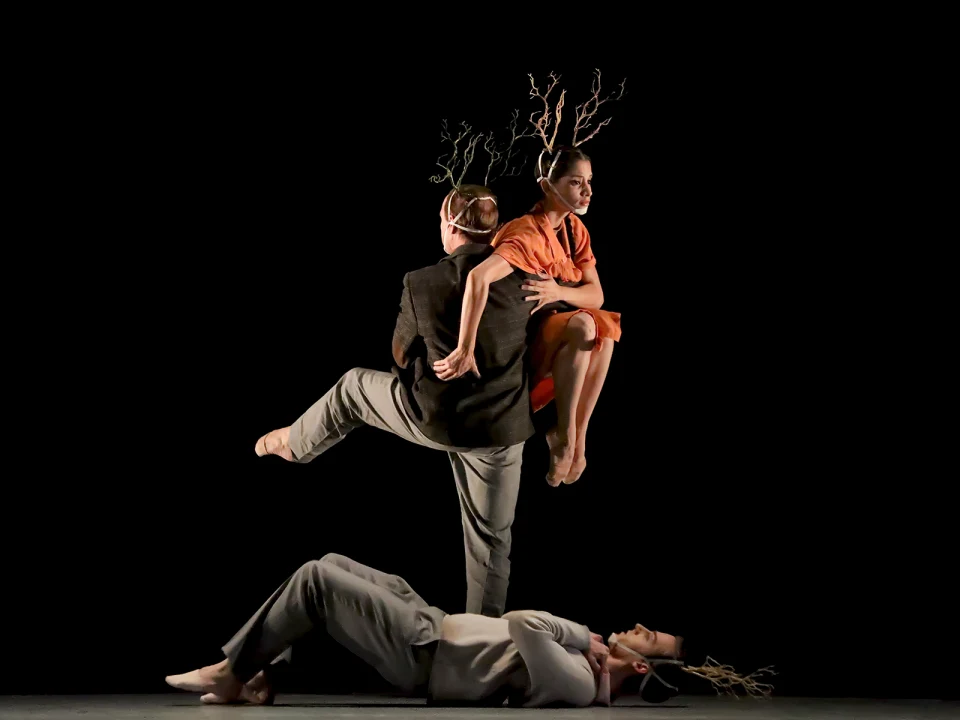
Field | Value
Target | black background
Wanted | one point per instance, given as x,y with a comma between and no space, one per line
249,221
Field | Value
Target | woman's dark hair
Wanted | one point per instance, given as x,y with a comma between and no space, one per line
565,157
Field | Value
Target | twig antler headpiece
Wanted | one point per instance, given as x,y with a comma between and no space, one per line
723,677
450,164
500,157
726,680
586,112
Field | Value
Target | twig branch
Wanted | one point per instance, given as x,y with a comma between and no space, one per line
490,146
542,125
450,164
587,110
505,154
468,156
724,678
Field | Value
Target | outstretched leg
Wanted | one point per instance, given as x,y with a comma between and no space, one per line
592,384
570,366
360,397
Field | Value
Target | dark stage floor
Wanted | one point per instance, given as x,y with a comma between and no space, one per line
146,707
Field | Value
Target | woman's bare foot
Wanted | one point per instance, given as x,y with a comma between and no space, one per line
276,442
256,692
561,457
578,466
217,679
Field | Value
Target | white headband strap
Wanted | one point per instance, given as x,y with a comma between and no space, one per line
552,165
472,201
547,178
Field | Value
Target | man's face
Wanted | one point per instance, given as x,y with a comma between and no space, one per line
649,643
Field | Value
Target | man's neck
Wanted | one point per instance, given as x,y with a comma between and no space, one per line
620,670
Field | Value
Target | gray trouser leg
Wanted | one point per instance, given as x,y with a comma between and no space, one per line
360,397
374,615
488,479
487,484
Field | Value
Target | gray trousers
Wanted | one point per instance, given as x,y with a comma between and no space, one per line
487,479
376,616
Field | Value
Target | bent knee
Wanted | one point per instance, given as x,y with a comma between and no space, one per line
582,328
332,559
351,377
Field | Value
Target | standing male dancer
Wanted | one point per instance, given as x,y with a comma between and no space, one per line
480,420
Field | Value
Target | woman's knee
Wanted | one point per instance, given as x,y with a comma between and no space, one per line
582,328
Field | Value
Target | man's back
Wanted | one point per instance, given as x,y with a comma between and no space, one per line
493,410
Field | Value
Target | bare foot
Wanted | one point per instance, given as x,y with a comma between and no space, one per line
561,457
256,692
275,442
578,466
217,679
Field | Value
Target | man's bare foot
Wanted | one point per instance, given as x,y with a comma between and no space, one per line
578,466
217,679
561,457
256,692
276,442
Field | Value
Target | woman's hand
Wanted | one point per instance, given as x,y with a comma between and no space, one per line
457,363
546,290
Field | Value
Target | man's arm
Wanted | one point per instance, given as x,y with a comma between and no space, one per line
556,674
405,331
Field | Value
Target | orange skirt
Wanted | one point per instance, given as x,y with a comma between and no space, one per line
548,340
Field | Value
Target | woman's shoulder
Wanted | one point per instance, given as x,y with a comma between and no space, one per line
520,227
521,223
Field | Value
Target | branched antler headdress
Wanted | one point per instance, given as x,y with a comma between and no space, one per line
451,164
501,159
724,678
585,116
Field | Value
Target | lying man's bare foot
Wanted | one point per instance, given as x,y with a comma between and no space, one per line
276,442
561,457
256,692
218,679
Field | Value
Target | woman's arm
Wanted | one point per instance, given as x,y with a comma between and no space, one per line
475,297
475,293
589,294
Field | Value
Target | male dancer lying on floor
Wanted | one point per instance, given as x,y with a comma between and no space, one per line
528,658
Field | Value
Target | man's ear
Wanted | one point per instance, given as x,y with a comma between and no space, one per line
640,668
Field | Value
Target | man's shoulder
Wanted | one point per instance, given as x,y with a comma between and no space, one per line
422,277
448,267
